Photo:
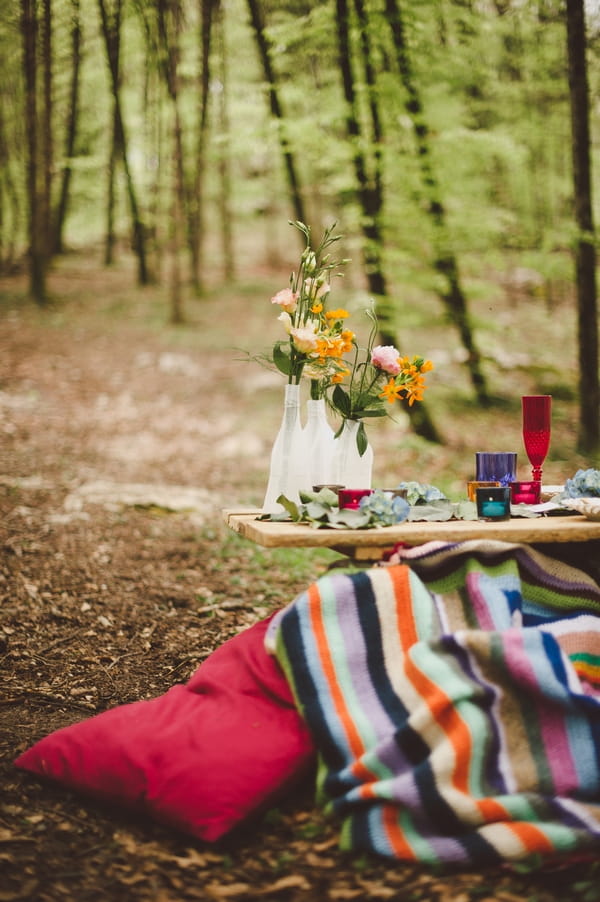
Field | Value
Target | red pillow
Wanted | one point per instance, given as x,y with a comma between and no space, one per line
202,757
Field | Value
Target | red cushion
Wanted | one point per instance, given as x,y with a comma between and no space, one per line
202,757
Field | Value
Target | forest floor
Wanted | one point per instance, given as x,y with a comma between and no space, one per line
121,439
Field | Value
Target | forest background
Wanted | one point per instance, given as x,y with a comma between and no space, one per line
151,155
453,141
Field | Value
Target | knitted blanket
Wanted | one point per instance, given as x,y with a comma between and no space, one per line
454,699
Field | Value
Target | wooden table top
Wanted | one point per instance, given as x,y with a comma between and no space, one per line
370,544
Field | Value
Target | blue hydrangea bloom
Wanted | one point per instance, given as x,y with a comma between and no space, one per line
585,484
384,508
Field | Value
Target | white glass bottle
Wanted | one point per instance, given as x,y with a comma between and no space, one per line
351,469
320,444
288,472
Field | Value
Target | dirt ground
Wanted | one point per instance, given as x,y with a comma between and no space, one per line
120,442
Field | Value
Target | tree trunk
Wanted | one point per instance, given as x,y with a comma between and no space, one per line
110,237
263,45
227,245
63,202
169,23
10,204
370,185
445,261
196,198
585,252
177,216
37,248
111,27
47,149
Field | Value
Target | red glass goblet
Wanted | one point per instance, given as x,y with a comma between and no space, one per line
537,412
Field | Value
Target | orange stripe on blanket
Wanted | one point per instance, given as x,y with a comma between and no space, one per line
354,740
407,627
444,713
533,839
395,835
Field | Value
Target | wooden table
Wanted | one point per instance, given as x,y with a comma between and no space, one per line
370,544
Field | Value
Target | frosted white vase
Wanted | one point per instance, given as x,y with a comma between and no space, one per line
351,469
288,472
319,444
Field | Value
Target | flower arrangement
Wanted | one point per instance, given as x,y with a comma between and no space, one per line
355,382
317,338
378,374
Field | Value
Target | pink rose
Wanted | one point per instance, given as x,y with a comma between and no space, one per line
387,358
286,298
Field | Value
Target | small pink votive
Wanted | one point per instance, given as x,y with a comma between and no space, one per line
350,498
525,492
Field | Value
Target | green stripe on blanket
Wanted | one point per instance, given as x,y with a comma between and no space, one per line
450,720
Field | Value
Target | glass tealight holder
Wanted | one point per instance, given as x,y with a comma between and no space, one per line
493,503
496,466
475,484
396,493
349,499
525,492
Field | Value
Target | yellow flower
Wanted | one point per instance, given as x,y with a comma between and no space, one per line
337,314
317,307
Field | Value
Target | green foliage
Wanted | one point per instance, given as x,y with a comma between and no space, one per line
495,99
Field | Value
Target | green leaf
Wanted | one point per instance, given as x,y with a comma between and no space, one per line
290,507
317,511
366,400
433,511
281,359
349,519
466,510
362,442
374,412
341,400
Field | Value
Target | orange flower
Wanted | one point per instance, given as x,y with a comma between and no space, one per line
337,314
339,377
392,392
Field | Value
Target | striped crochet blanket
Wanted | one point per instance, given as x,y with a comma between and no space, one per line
455,702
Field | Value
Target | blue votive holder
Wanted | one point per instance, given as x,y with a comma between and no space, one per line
493,503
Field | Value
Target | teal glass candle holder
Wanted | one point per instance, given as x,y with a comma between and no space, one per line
493,502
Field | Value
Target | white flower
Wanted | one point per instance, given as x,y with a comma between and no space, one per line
316,288
304,338
286,321
286,298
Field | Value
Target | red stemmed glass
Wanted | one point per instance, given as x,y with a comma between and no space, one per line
537,413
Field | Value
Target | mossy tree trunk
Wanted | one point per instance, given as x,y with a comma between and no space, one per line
369,179
264,52
445,261
585,245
